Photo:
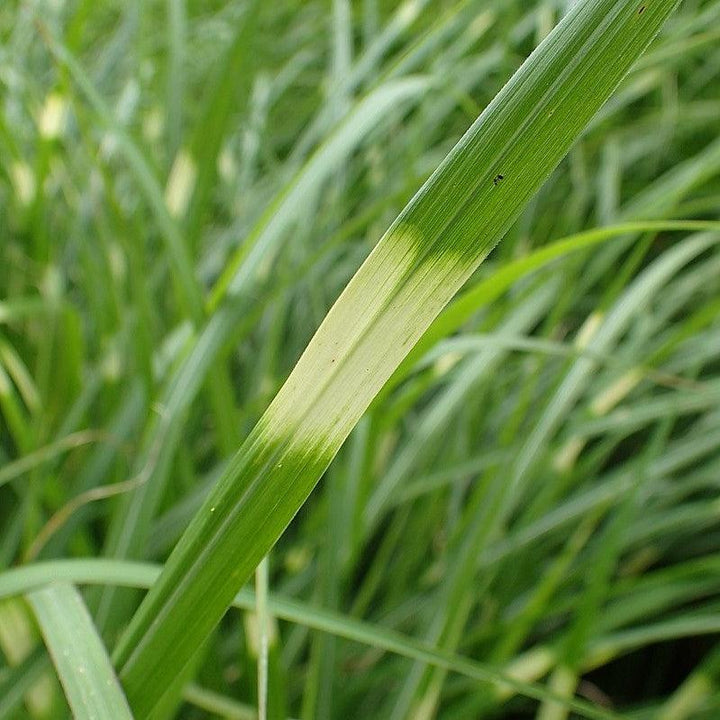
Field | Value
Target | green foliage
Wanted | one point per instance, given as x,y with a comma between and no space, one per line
92,689
518,514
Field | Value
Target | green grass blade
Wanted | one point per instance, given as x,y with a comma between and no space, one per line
263,621
217,704
84,668
188,288
35,577
229,91
432,248
31,460
19,680
177,31
461,309
277,219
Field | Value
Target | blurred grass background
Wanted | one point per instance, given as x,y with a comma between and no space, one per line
538,491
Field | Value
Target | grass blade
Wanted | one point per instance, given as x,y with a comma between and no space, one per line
19,680
188,288
90,684
448,228
265,236
35,577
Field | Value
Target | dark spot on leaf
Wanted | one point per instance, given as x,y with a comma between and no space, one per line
498,179
641,10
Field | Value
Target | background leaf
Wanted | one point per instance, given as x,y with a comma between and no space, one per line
84,668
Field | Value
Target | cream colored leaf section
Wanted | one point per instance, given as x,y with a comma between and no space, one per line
374,323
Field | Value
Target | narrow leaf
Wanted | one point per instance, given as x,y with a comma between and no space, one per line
84,668
98,571
424,258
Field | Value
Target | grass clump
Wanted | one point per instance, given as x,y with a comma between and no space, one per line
523,518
